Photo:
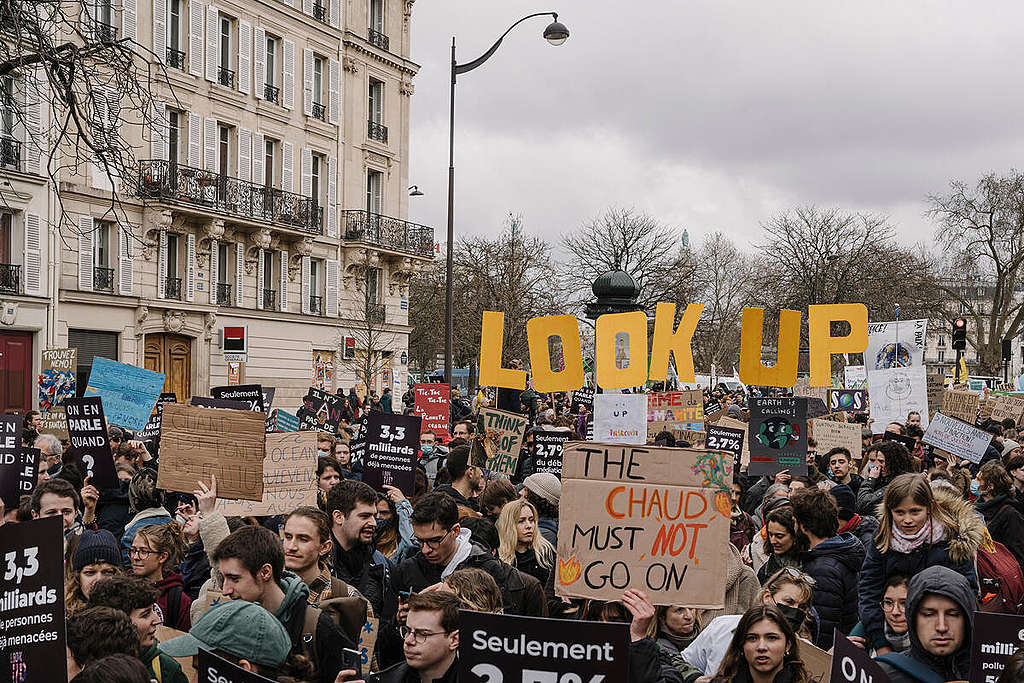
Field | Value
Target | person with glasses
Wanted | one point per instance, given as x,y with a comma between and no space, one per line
430,641
155,553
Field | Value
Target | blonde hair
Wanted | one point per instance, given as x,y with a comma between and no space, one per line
74,600
508,535
165,538
477,590
915,487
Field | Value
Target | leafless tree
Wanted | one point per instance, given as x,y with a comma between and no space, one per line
375,344
721,279
426,318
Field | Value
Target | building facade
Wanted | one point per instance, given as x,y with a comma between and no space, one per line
271,193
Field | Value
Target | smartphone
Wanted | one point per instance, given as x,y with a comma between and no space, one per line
352,659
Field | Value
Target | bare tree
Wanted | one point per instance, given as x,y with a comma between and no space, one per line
374,345
721,279
426,318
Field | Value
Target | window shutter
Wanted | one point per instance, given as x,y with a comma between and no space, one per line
335,13
33,120
331,293
239,266
195,146
305,284
161,268
287,163
307,82
307,7
190,268
130,20
332,197
160,30
33,254
307,173
244,154
125,265
259,77
211,43
214,270
260,282
86,228
258,143
210,157
282,294
195,38
158,135
244,56
334,95
288,75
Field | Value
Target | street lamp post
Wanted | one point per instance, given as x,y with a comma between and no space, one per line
556,34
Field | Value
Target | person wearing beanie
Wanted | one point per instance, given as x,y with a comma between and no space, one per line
1009,445
864,527
97,557
544,490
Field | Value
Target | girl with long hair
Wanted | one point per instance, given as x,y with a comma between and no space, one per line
96,557
783,543
155,553
521,544
883,462
764,649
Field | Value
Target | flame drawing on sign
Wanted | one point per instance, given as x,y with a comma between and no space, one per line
569,572
723,504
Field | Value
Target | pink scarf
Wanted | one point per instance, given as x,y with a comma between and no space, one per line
931,532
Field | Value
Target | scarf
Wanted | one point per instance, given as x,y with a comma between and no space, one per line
852,524
930,532
899,642
465,547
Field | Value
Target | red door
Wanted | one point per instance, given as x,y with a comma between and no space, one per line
16,379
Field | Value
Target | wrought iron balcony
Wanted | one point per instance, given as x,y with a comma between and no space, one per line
271,93
269,297
10,153
172,288
375,313
387,232
320,12
223,293
103,279
377,39
316,305
104,32
226,77
175,58
376,131
10,278
169,181
319,111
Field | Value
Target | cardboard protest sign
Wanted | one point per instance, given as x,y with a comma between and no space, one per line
128,392
320,411
1008,407
726,439
802,387
87,432
431,405
829,434
654,519
282,421
368,640
357,446
896,392
32,601
217,670
547,449
392,447
289,477
958,438
509,429
250,394
936,391
817,662
197,442
851,663
582,398
18,473
57,377
994,639
164,633
502,647
855,377
962,405
675,411
741,426
620,418
895,344
777,435
851,400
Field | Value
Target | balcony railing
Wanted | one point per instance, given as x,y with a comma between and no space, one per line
226,77
10,278
171,182
271,93
377,39
223,293
172,288
316,305
175,58
320,12
387,232
103,279
376,131
375,313
10,153
269,296
104,32
319,111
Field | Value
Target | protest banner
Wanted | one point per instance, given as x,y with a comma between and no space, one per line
936,391
896,392
802,387
502,647
829,434
368,640
214,669
895,344
817,662
675,411
855,377
431,405
508,429
956,437
962,405
221,403
151,432
87,433
57,377
282,421
777,435
582,398
853,664
620,418
850,400
834,417
1008,408
197,442
547,449
18,473
55,421
320,411
741,426
392,447
994,639
289,477
907,442
250,394
128,392
726,439
644,517
32,601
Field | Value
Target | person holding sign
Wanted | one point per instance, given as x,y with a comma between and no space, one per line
764,649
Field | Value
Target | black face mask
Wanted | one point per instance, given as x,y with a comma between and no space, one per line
383,526
794,616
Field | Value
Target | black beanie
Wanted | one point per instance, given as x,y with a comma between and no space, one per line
96,546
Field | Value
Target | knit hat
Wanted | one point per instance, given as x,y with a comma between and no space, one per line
95,547
238,628
845,500
545,485
1009,445
734,410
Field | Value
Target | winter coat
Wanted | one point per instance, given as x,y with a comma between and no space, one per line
373,579
834,565
112,510
195,569
775,563
170,670
329,638
549,530
947,583
385,402
148,517
742,590
870,494
741,529
402,673
457,496
787,674
1005,524
172,587
527,562
865,530
646,667
956,552
213,529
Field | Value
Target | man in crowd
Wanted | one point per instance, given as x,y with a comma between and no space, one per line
57,497
352,506
432,454
842,469
431,640
466,479
864,527
97,632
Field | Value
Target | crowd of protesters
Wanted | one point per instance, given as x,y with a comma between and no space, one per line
896,550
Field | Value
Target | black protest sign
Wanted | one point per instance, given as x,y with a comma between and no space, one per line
320,411
268,398
777,435
87,432
357,446
230,404
724,439
151,432
581,398
10,456
851,663
815,407
909,442
392,445
502,647
547,450
249,394
32,601
18,472
217,670
847,400
994,639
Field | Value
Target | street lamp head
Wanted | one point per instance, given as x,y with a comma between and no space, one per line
414,191
556,33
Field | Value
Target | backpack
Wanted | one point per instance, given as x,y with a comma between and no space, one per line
349,612
1000,581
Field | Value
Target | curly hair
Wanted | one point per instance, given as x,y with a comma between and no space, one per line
143,493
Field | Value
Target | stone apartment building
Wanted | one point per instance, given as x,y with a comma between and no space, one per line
272,193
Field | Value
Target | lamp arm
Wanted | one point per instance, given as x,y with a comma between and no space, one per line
469,66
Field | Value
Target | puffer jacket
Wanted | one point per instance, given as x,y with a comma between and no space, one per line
1005,523
870,494
834,565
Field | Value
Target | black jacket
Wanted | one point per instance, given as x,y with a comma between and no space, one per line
457,496
866,531
369,572
870,494
834,565
645,665
1005,524
402,673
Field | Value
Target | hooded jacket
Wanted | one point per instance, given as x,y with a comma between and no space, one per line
834,564
172,588
148,517
330,639
917,663
170,670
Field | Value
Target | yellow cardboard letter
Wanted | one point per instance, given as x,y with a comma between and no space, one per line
821,342
566,328
677,342
608,326
752,370
492,337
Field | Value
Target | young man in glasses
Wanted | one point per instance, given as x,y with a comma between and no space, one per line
430,640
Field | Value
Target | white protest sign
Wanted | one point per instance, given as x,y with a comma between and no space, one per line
895,344
956,437
620,418
895,392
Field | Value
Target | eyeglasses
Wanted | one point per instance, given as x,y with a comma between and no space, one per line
419,636
141,552
431,543
797,574
891,605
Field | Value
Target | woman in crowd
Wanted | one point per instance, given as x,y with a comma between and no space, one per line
677,626
884,461
996,504
894,607
764,649
783,544
521,544
97,557
394,526
155,553
146,502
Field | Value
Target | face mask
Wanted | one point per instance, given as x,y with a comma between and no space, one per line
383,526
322,454
180,520
975,490
794,616
427,448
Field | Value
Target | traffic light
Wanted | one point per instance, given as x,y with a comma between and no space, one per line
959,334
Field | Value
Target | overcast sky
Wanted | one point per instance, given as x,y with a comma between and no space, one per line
712,114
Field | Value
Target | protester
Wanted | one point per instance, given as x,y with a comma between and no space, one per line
328,473
495,495
430,640
784,544
146,502
841,468
885,461
1014,671
1004,521
894,607
116,669
521,544
677,627
393,536
544,490
466,479
864,527
432,455
741,525
96,632
97,557
58,498
764,648
155,553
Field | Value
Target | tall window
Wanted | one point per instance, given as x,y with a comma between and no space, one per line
225,42
222,263
373,285
374,192
5,237
376,100
101,244
271,71
172,254
377,15
173,135
268,270
174,25
268,163
314,277
318,80
105,12
224,148
317,168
